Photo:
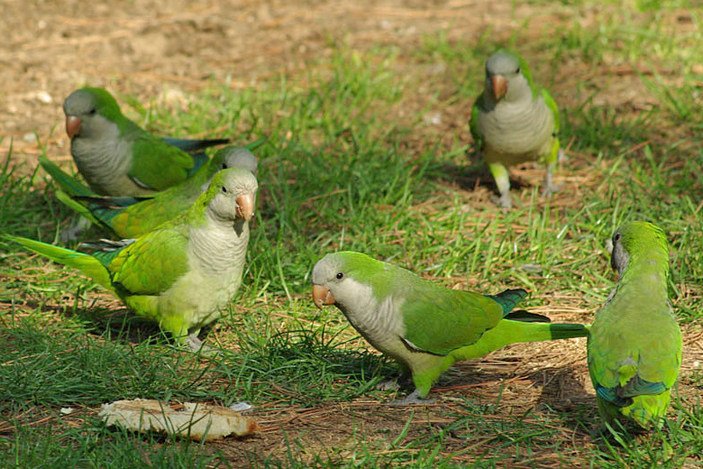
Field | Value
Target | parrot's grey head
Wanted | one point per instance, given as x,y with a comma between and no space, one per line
334,279
239,157
638,239
89,111
505,78
232,195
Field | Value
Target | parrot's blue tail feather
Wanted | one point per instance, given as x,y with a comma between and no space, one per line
508,299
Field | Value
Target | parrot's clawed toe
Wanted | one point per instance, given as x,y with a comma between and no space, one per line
551,189
504,201
195,345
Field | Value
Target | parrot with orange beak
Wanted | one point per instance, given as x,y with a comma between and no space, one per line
513,121
183,273
116,156
422,325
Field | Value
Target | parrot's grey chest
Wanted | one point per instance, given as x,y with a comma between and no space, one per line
517,132
105,162
216,257
380,324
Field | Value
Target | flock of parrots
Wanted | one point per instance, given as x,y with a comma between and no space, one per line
185,223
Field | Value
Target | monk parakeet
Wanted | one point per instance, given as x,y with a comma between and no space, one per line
514,121
420,324
634,348
181,274
116,156
131,217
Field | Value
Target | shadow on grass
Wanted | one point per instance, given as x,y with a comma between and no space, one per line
305,367
472,175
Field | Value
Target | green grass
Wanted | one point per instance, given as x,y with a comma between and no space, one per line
352,163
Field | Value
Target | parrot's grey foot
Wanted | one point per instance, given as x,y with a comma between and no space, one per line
71,234
412,399
504,201
74,232
561,156
388,385
195,345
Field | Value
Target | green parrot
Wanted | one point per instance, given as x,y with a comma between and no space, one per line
183,273
514,121
634,348
131,217
116,156
420,324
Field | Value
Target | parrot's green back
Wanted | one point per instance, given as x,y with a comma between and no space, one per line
635,345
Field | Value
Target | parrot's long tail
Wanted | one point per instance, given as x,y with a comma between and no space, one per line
87,264
191,145
195,148
67,183
509,332
103,209
78,207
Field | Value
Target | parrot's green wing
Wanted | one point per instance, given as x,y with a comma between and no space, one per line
156,164
525,71
552,105
153,263
473,122
439,320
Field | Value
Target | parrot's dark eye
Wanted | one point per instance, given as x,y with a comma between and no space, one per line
616,237
518,70
340,275
92,111
224,189
224,165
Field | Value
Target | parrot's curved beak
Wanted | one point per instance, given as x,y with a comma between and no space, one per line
73,126
322,296
500,86
245,206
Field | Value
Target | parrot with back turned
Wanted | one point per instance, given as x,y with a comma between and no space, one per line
424,326
183,273
514,121
116,156
635,345
131,217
